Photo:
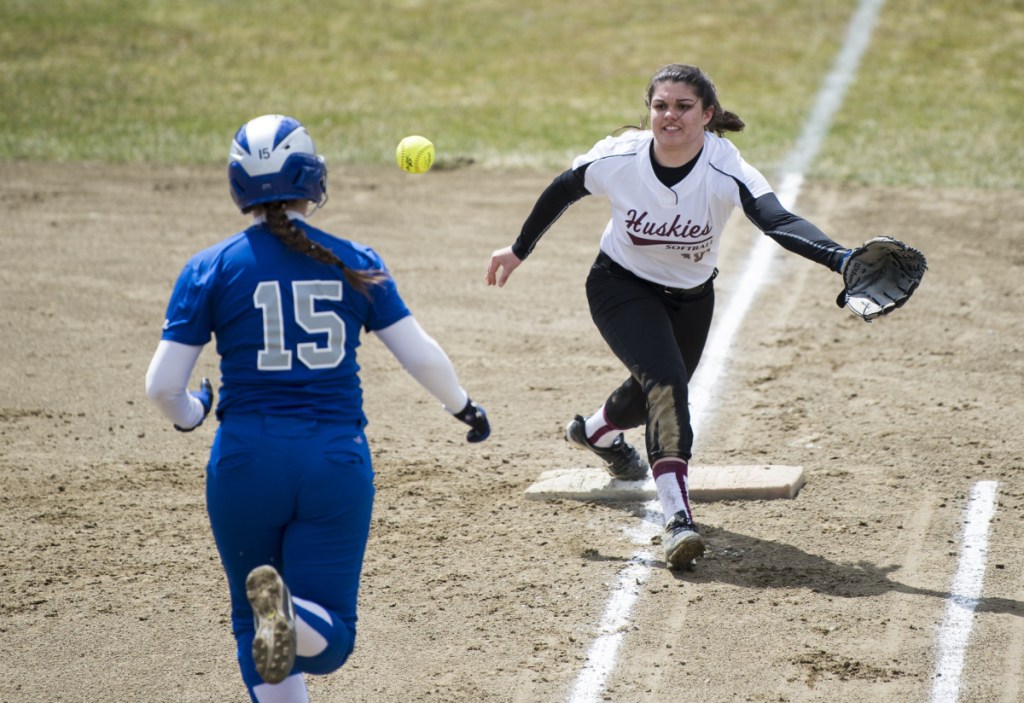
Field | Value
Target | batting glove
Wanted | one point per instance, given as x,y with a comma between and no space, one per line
205,396
475,416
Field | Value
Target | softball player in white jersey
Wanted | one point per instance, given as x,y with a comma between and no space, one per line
671,187
289,483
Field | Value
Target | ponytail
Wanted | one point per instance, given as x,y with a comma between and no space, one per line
296,240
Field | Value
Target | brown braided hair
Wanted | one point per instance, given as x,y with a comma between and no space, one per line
296,240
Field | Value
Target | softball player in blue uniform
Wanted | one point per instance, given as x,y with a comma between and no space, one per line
651,293
289,481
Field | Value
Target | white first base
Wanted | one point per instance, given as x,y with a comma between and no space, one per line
707,483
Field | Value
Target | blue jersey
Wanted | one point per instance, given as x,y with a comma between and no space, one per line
287,326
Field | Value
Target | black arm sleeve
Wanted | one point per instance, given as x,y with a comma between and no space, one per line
791,231
566,189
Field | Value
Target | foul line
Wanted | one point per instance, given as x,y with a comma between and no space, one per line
614,624
601,659
963,594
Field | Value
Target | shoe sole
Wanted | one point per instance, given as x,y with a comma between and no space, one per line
273,646
640,474
686,551
575,441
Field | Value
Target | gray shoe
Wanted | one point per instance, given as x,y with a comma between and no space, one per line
623,461
682,542
273,647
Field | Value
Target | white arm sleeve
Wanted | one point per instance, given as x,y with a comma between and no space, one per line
167,383
425,361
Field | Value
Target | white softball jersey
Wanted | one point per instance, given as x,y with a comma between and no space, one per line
667,235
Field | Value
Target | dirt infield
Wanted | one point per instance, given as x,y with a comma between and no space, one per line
112,590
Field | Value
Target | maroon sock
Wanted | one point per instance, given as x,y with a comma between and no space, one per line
606,428
671,476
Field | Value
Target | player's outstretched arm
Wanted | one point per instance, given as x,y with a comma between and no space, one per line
167,385
424,359
563,191
503,263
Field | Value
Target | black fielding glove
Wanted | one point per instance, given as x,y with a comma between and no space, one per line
205,396
476,417
880,276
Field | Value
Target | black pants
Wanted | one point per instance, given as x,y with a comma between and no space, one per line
659,334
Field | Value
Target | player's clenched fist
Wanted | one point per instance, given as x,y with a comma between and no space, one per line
504,260
476,417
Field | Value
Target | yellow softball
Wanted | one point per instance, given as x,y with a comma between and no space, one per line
415,154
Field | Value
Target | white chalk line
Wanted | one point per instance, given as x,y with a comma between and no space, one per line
602,656
955,630
613,627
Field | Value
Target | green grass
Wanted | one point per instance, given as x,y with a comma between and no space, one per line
524,84
939,99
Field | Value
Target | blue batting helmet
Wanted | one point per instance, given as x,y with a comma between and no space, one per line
273,158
